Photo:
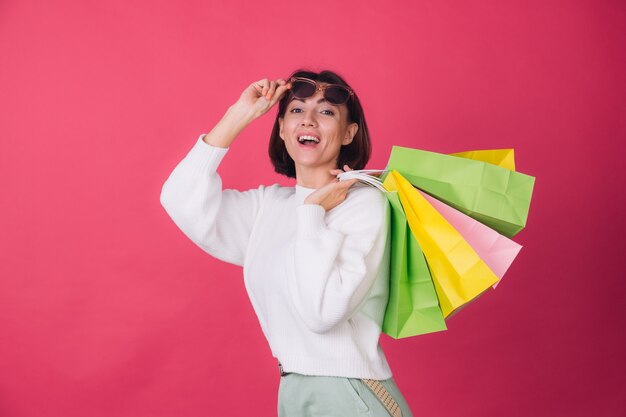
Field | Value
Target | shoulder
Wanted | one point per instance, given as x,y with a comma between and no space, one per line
278,190
274,192
366,198
262,193
364,208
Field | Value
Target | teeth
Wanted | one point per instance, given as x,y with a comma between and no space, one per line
303,138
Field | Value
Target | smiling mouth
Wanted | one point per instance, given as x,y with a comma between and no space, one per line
308,140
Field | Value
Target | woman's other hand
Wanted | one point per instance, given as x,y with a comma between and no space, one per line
333,193
260,96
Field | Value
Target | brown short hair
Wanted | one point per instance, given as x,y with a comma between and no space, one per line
355,154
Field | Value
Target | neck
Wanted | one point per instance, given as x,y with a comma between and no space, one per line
314,177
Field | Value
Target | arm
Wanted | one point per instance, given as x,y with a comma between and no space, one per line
335,269
220,222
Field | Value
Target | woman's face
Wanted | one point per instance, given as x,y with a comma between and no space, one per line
314,131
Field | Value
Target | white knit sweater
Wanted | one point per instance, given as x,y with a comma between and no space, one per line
318,281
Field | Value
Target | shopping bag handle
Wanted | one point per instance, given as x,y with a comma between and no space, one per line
365,176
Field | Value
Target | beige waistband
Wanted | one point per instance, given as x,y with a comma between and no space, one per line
383,395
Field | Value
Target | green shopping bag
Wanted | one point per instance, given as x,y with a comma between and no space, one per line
413,306
495,196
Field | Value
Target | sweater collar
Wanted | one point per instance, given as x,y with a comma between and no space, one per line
302,193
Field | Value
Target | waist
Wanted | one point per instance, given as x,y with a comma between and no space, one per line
347,367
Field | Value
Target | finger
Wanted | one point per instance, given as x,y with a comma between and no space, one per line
284,87
264,84
351,182
271,90
258,87
280,91
347,183
260,82
347,168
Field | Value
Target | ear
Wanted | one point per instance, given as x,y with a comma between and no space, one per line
350,133
280,132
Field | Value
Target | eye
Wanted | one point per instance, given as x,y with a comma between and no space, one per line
295,110
328,112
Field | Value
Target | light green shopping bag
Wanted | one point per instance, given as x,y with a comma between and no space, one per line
495,196
413,307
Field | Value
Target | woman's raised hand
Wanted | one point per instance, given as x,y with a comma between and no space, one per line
254,102
260,96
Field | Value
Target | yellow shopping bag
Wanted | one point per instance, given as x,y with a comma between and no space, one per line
457,271
504,158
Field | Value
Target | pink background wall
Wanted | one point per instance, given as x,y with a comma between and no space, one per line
106,309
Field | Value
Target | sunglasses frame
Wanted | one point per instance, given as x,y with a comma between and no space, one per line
322,88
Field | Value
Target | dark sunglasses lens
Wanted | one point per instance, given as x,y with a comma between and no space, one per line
302,89
337,95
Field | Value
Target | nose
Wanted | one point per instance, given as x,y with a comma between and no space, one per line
308,119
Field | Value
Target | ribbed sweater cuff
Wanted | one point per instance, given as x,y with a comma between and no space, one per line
310,220
204,157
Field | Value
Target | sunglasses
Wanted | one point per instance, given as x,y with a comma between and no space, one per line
333,93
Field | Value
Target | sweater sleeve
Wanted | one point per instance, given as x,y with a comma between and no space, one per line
335,269
218,221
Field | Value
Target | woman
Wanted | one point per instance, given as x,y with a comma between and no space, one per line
315,256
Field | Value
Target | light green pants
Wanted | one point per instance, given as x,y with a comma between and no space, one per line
328,396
